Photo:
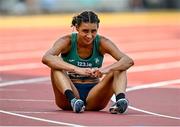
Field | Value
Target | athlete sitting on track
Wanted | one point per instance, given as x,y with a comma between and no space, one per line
75,61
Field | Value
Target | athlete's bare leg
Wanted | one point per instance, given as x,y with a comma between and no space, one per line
99,96
61,82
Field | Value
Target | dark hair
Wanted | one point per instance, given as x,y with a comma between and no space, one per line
86,17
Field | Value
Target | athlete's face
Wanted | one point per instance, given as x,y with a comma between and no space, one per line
87,32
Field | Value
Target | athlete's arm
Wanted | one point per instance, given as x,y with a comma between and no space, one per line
123,61
51,57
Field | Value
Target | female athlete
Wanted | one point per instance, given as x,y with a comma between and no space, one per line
79,81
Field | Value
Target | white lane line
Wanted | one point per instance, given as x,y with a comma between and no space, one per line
154,67
151,67
135,88
152,113
39,119
151,85
26,100
144,55
18,82
21,55
155,54
22,66
24,81
32,112
13,90
137,55
27,81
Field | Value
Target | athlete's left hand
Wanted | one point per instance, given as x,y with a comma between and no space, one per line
96,73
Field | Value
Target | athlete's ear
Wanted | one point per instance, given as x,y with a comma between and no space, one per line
77,28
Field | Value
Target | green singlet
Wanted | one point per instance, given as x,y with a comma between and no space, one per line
72,57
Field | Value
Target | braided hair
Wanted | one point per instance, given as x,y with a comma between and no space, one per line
86,17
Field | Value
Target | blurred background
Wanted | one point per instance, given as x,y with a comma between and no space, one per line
24,7
146,30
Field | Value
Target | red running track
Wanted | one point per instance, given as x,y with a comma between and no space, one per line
26,96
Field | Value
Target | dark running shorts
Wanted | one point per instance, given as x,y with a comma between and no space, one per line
83,90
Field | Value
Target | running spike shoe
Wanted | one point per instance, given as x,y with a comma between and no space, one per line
119,107
77,105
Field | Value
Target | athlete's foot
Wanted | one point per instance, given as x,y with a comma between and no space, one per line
77,105
119,107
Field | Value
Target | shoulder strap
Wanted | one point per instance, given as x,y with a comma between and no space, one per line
73,40
97,42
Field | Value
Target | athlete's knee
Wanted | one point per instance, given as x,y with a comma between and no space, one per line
55,72
115,73
112,73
